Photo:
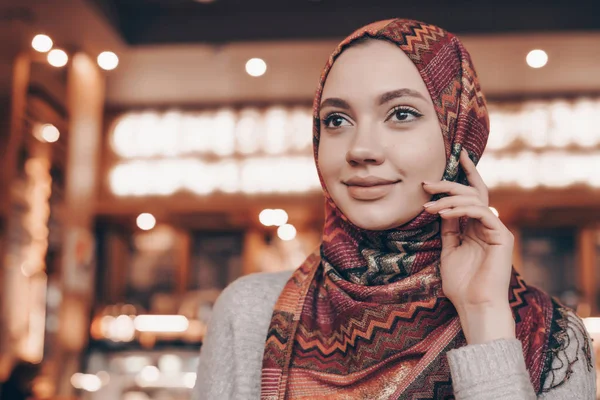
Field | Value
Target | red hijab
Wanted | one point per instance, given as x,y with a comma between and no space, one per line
365,317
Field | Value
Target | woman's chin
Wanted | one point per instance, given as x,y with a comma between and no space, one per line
378,220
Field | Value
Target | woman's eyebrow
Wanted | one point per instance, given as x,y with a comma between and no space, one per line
394,94
335,102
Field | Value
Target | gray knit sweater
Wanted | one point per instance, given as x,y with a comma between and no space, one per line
231,357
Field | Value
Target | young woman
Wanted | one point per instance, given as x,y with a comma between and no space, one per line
411,294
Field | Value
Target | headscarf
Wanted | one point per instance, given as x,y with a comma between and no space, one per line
365,316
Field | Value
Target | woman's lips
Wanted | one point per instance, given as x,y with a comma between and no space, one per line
370,188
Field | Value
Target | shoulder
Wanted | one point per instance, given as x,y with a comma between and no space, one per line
254,292
573,362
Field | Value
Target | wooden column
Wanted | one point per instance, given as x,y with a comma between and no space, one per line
85,102
10,274
586,255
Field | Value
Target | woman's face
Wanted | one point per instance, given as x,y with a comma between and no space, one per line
380,136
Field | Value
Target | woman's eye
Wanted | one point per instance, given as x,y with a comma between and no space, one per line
335,121
405,114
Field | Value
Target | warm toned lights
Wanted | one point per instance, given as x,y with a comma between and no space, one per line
251,176
119,329
592,324
537,58
269,217
255,151
41,43
87,382
149,373
285,131
189,380
275,131
104,377
161,323
286,232
49,133
170,364
256,67
151,376
530,170
57,58
146,221
108,60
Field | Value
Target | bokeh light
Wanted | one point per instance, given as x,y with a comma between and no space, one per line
49,133
108,60
42,43
537,58
256,67
286,232
146,221
58,58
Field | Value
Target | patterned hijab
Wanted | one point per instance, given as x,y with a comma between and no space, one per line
365,317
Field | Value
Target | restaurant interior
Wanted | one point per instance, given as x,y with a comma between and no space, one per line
153,151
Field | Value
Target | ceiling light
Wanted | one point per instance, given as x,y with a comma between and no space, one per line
286,232
57,58
108,60
161,323
537,58
41,43
266,217
275,217
256,67
150,373
146,221
49,133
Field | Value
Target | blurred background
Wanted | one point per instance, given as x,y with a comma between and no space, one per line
155,150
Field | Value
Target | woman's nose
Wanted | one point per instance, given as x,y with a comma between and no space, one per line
365,150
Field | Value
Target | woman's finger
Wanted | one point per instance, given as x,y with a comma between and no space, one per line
450,231
452,188
473,176
481,213
434,207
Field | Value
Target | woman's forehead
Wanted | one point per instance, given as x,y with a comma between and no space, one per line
373,69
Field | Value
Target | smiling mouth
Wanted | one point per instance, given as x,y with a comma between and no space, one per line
366,189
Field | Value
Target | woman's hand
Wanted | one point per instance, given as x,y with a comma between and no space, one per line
475,264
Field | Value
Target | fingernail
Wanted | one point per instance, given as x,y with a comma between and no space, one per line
444,210
429,204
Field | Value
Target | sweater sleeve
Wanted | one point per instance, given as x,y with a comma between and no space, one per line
214,378
497,370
